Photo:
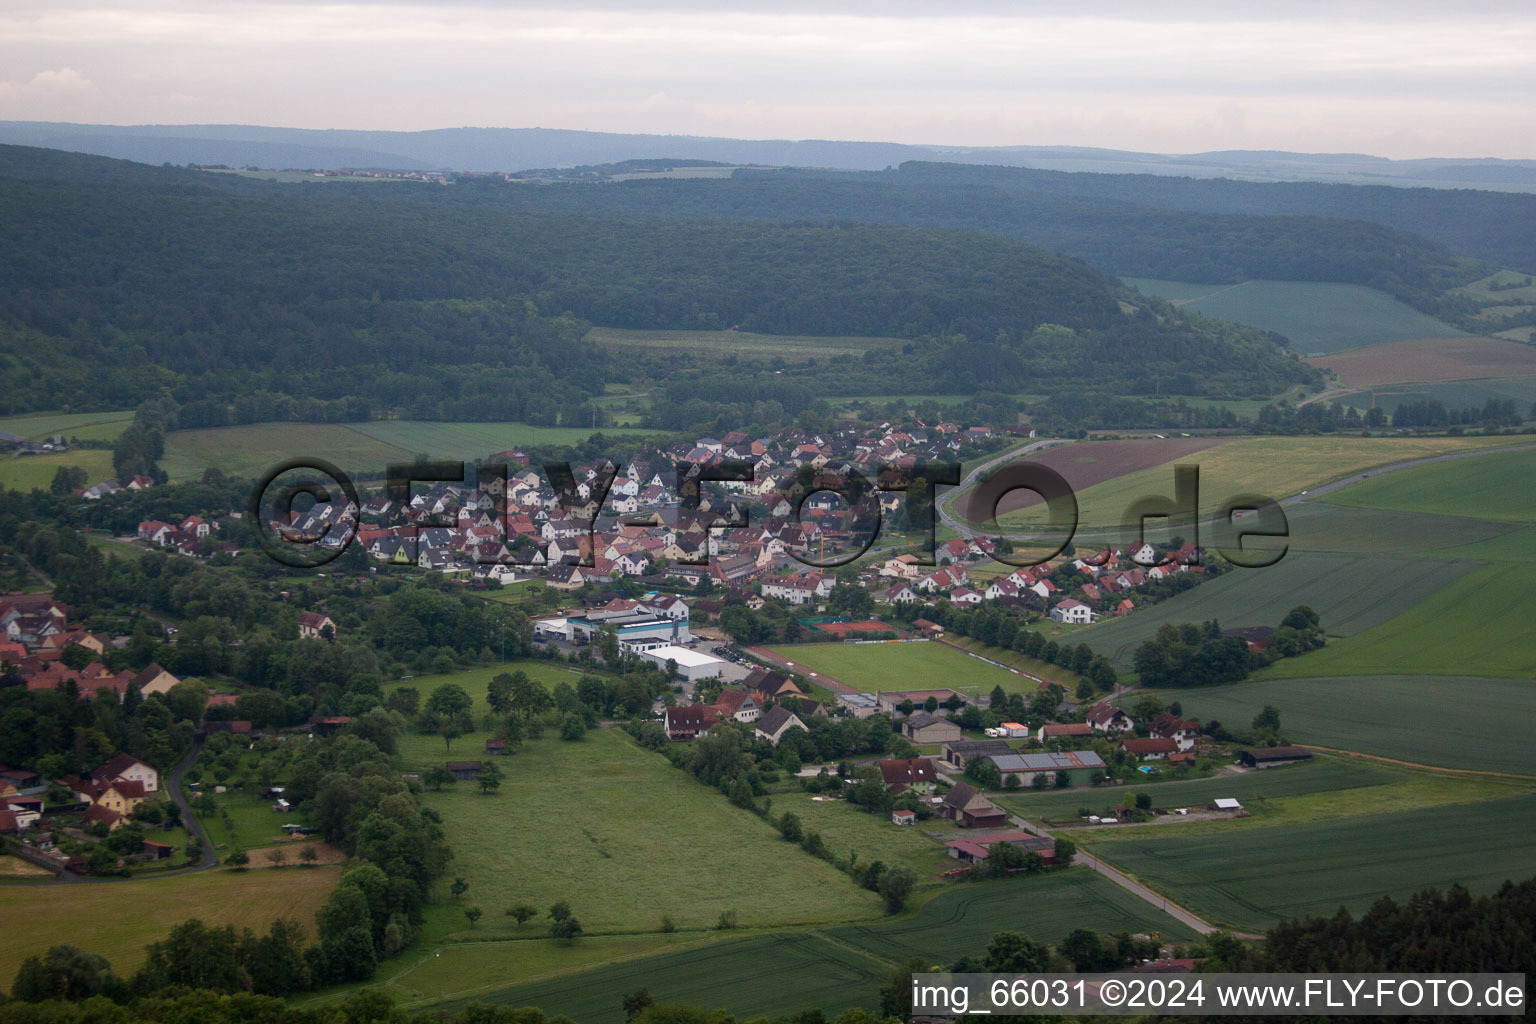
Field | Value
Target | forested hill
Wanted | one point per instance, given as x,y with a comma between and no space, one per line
1499,227
116,288
1113,234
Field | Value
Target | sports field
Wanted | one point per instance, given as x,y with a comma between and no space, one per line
1351,593
626,839
1254,878
1274,466
118,919
1317,317
1430,359
844,967
916,665
1447,721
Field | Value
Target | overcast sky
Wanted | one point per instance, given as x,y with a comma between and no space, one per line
1399,79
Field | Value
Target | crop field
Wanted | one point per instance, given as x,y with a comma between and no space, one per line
1488,487
1276,466
1351,593
1471,723
1252,879
1323,775
844,967
1318,318
1453,394
1345,529
737,343
88,426
118,919
1478,623
251,450
917,665
469,441
36,472
1088,463
1430,359
627,838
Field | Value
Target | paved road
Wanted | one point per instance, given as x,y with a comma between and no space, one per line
969,480
1102,533
188,820
1134,887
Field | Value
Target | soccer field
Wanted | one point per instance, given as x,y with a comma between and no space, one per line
903,665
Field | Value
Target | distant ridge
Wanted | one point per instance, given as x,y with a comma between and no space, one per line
516,149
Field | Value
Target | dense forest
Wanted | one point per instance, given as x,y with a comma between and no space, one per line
396,300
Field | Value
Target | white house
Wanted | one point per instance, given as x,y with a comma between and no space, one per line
1072,611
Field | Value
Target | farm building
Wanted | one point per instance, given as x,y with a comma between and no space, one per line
960,752
921,727
892,700
464,771
900,817
966,807
1270,757
691,665
685,722
1078,764
1063,730
973,851
775,723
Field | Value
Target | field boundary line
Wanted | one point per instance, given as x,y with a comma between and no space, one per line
1476,772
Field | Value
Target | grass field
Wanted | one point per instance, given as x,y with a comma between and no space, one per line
1317,317
847,829
1252,879
627,838
417,751
1320,776
251,450
1276,466
469,441
88,426
118,919
1488,487
903,666
36,472
839,968
1430,359
1479,623
1448,721
1351,593
362,449
736,343
1022,662
1453,394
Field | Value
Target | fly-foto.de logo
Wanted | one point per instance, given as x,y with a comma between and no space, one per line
329,527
